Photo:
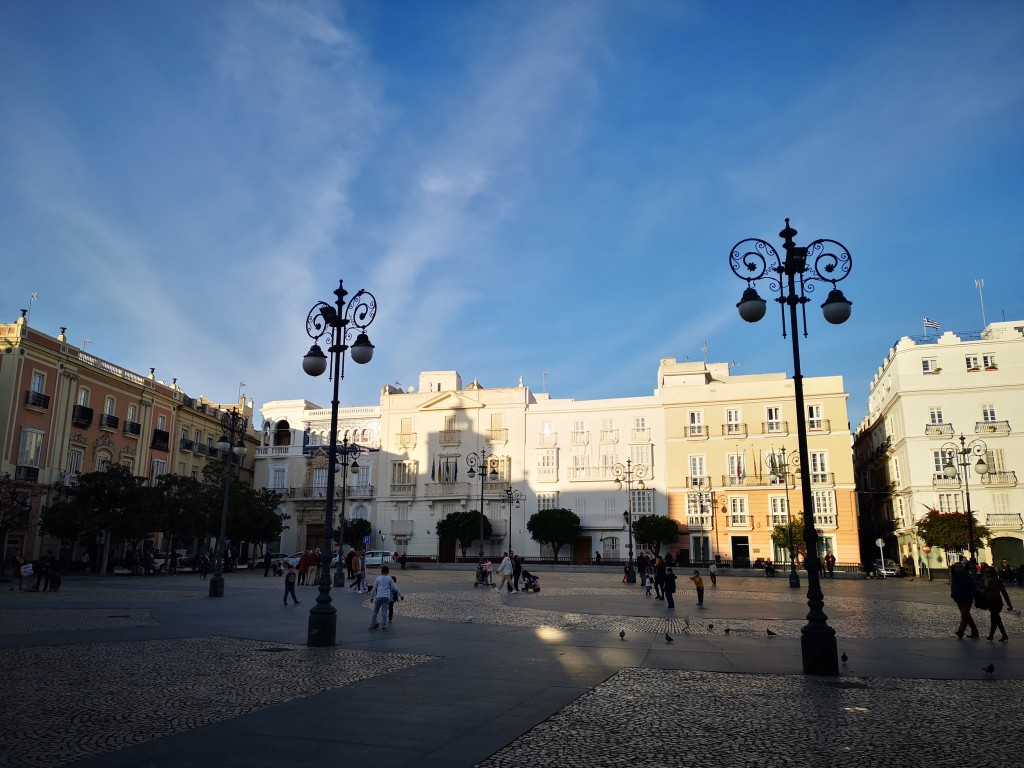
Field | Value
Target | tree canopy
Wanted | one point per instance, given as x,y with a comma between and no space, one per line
784,534
14,507
655,531
949,531
556,527
464,527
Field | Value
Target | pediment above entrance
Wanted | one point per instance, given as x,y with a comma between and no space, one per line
448,401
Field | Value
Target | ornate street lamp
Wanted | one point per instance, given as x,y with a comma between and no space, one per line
484,462
338,324
513,497
627,473
344,452
827,261
232,444
958,461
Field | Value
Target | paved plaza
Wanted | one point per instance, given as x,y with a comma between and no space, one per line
118,672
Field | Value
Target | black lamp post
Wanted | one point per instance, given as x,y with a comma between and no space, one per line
958,461
514,497
230,445
781,471
338,323
483,461
627,473
344,452
826,261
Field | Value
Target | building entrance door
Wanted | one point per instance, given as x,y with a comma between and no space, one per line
740,552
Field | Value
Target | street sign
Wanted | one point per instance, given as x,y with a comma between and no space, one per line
366,539
879,543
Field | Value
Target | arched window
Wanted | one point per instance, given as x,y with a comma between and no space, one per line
283,434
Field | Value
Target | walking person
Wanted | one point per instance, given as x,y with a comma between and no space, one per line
659,578
713,573
358,573
517,570
961,589
830,564
17,562
289,585
669,588
204,566
642,563
698,582
505,569
391,605
266,562
303,566
995,592
383,588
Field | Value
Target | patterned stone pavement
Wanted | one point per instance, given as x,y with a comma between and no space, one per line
77,699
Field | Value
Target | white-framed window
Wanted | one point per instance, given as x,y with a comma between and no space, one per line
580,464
547,501
639,422
75,460
579,506
938,464
695,419
547,458
733,421
157,468
403,472
607,461
819,467
972,362
38,382
109,405
737,471
814,418
698,471
451,422
320,479
778,510
83,397
738,515
279,476
161,422
643,503
935,415
988,361
31,447
929,365
773,418
824,508
610,505
184,433
988,413
642,454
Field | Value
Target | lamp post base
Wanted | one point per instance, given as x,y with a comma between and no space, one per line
216,586
794,580
819,653
339,576
322,629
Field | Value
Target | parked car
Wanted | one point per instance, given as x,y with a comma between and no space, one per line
379,557
285,560
888,568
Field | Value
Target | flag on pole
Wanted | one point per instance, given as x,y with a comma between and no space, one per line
431,468
931,324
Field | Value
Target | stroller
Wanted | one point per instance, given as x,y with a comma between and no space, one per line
483,575
530,582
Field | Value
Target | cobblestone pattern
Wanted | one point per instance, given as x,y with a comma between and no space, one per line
107,702
852,616
63,619
675,718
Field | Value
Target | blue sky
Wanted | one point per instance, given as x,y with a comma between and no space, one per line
526,187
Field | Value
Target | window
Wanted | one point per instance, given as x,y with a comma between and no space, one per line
949,502
696,422
547,501
451,422
161,423
824,509
108,406
184,433
929,365
579,465
547,428
935,415
403,473
819,467
157,468
972,362
643,503
38,382
736,470
31,448
642,454
814,419
773,418
738,517
988,413
939,461
133,413
83,397
610,505
698,473
639,422
579,506
989,361
406,425
733,421
279,477
75,460
779,510
547,464
319,480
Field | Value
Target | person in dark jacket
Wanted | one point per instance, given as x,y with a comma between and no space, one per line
995,593
961,589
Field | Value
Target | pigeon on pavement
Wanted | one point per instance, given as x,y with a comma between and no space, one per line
668,638
622,634
844,657
989,669
770,633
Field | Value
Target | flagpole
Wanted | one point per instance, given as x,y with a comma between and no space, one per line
979,284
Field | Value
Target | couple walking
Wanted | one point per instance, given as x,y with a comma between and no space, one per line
510,568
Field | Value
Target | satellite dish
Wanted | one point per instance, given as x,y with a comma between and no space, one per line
410,390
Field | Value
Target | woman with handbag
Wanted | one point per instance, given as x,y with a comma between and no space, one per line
961,587
995,592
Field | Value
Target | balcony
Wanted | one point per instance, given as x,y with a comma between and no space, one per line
202,448
734,430
362,491
819,425
401,528
38,400
700,522
1005,521
698,481
449,437
547,439
938,430
497,435
403,490
132,428
81,416
547,474
26,474
696,430
603,522
992,428
581,438
591,473
109,421
1007,479
446,490
406,440
609,435
642,435
826,521
186,445
161,440
775,427
939,480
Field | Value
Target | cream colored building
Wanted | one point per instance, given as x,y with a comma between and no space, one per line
928,392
